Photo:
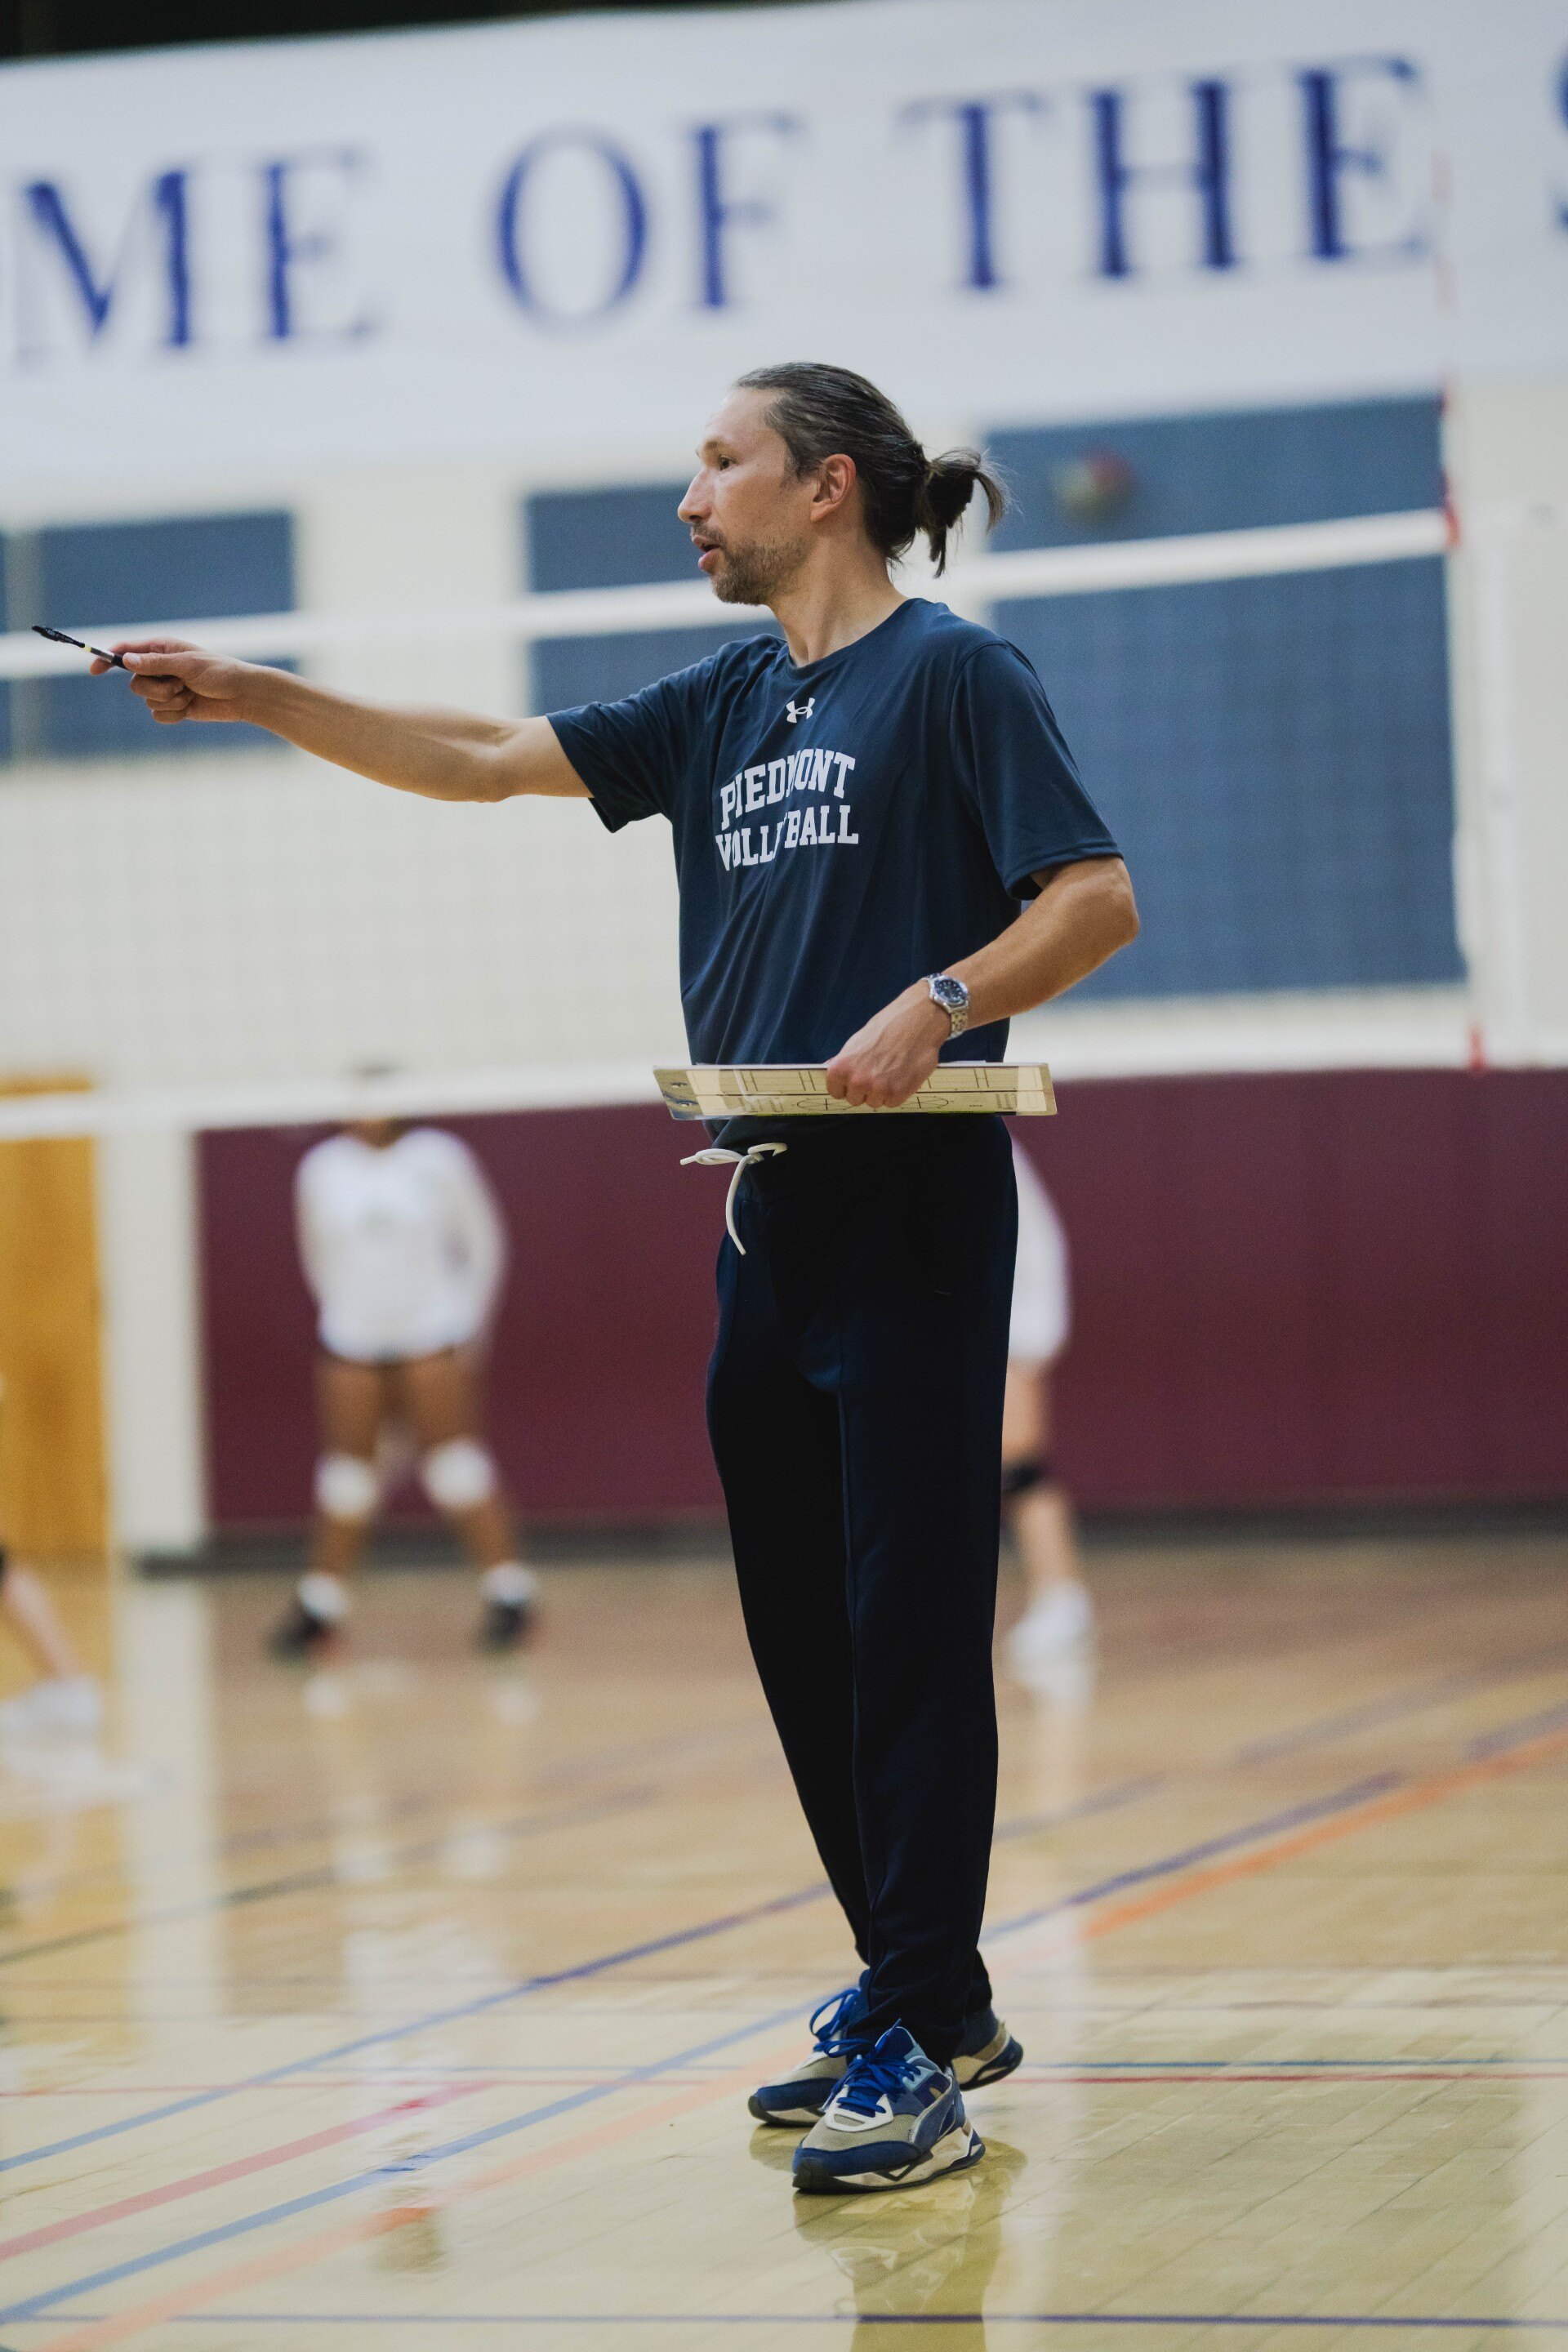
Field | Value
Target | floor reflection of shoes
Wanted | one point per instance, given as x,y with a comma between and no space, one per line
514,1699
301,1634
1065,1683
327,1696
1058,1627
917,2255
68,1704
773,2147
414,2239
505,1626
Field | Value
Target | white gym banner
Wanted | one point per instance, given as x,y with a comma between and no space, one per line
562,236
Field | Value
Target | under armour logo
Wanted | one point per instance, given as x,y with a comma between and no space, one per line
793,711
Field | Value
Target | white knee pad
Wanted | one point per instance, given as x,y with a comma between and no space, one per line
457,1474
346,1486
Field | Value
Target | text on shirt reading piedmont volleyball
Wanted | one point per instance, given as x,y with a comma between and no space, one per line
767,786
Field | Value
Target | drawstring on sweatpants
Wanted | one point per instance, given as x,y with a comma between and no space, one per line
716,1156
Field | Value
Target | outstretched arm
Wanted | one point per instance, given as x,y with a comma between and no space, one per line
1083,913
443,754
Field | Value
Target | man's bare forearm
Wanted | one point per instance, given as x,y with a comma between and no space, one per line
446,755
1083,915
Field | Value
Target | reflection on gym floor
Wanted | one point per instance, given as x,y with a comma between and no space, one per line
424,1991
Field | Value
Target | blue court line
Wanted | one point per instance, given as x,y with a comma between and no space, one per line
543,1983
1495,1743
376,2174
327,1873
1342,1801
703,1931
1506,1738
1377,1712
1106,1800
1126,1793
821,2319
594,1765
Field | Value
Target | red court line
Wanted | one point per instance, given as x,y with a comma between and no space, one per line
541,2077
49,2233
282,2259
1319,2074
1420,1794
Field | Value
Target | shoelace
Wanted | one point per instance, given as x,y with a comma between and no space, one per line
826,2024
716,1156
871,2079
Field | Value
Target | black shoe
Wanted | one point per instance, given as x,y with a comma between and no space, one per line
302,1634
986,2053
504,1626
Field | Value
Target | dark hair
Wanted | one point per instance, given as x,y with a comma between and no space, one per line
822,412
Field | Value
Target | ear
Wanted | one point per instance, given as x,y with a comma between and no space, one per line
835,479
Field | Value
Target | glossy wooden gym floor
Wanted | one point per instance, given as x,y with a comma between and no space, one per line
414,2002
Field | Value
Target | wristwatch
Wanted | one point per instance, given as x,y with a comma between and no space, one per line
953,998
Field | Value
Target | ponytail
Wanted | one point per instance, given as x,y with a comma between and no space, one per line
950,481
820,412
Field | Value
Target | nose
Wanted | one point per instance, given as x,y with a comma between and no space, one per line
692,506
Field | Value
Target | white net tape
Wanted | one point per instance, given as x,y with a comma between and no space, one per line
604,612
223,941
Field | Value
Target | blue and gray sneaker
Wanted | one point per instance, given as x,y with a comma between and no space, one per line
985,2053
896,2119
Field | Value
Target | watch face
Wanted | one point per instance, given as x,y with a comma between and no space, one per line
951,993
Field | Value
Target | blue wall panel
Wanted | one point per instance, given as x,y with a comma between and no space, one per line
624,537
619,538
5,688
198,565
1224,472
569,670
1273,756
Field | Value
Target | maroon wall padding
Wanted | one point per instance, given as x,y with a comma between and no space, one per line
1323,1287
1329,1286
595,1371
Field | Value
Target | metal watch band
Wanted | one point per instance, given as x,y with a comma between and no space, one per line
953,998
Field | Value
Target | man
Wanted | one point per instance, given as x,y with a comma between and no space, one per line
857,811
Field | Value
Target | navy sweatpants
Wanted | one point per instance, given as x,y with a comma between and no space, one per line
855,1407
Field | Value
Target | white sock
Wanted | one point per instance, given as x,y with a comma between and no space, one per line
326,1597
510,1583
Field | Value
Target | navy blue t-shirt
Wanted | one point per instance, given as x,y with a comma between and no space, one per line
843,828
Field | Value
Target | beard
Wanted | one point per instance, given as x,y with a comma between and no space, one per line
755,574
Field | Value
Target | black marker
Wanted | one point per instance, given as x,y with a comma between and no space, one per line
115,661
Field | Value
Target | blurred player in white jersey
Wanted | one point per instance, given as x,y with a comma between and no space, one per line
404,1250
1059,1623
64,1697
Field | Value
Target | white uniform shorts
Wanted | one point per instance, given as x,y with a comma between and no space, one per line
1042,1311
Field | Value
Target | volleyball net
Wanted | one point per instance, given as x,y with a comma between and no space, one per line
205,935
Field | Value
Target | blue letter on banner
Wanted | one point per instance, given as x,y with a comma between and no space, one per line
974,116
716,211
1208,174
509,224
47,206
1329,159
289,247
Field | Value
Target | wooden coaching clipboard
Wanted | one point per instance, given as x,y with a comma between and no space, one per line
799,1090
